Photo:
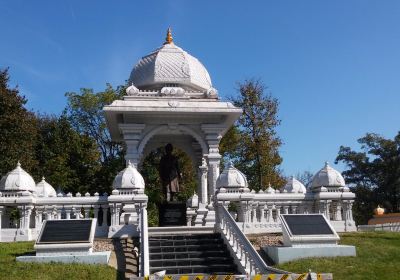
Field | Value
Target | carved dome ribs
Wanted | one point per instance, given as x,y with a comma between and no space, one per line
170,65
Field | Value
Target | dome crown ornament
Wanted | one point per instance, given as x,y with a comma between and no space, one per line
169,39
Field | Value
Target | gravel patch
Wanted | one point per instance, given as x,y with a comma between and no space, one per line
101,245
268,239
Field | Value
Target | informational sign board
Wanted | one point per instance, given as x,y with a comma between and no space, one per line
172,214
307,224
303,229
65,231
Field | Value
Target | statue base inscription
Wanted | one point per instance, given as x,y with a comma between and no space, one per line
172,214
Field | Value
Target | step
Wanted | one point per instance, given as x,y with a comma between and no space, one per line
179,231
190,261
215,269
189,254
184,242
187,248
186,236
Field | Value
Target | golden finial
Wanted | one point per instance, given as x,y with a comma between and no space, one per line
169,39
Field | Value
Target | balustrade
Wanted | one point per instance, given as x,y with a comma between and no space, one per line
248,257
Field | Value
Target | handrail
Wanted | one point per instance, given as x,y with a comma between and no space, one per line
245,252
144,243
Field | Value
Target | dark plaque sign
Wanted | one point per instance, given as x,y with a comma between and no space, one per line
172,214
65,231
307,224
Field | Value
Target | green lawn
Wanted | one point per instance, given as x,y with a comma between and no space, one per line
10,269
378,257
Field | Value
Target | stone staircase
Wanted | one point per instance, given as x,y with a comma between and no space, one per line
203,253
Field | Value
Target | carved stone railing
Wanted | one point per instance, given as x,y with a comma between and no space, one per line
144,242
248,258
259,212
123,208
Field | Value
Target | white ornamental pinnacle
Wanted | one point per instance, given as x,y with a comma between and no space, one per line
45,189
17,180
170,65
294,186
132,90
129,178
231,178
328,177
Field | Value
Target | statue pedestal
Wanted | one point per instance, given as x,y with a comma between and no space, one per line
172,214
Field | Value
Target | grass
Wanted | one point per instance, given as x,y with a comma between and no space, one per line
378,257
10,269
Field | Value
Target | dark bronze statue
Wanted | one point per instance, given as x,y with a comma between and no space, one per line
169,173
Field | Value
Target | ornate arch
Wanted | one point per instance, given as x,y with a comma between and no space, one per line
160,128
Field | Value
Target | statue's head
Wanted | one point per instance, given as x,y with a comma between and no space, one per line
169,148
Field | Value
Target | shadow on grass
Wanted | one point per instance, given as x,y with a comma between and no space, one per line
28,253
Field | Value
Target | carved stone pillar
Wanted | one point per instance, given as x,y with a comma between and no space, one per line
278,212
200,215
285,209
67,213
203,169
261,207
294,209
58,212
338,211
132,134
87,211
213,173
209,219
96,208
270,218
28,210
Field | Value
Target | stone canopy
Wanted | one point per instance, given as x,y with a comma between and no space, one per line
175,103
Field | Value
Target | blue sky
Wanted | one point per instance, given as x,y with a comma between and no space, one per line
333,65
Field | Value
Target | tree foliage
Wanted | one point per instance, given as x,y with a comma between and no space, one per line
85,113
70,160
253,143
17,128
374,174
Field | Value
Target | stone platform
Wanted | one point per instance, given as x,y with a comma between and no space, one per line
91,258
281,254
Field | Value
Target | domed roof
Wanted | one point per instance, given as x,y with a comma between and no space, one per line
231,177
294,186
129,178
17,180
45,189
327,177
170,65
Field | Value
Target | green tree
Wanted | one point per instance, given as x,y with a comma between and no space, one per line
254,148
68,159
374,174
85,113
17,128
